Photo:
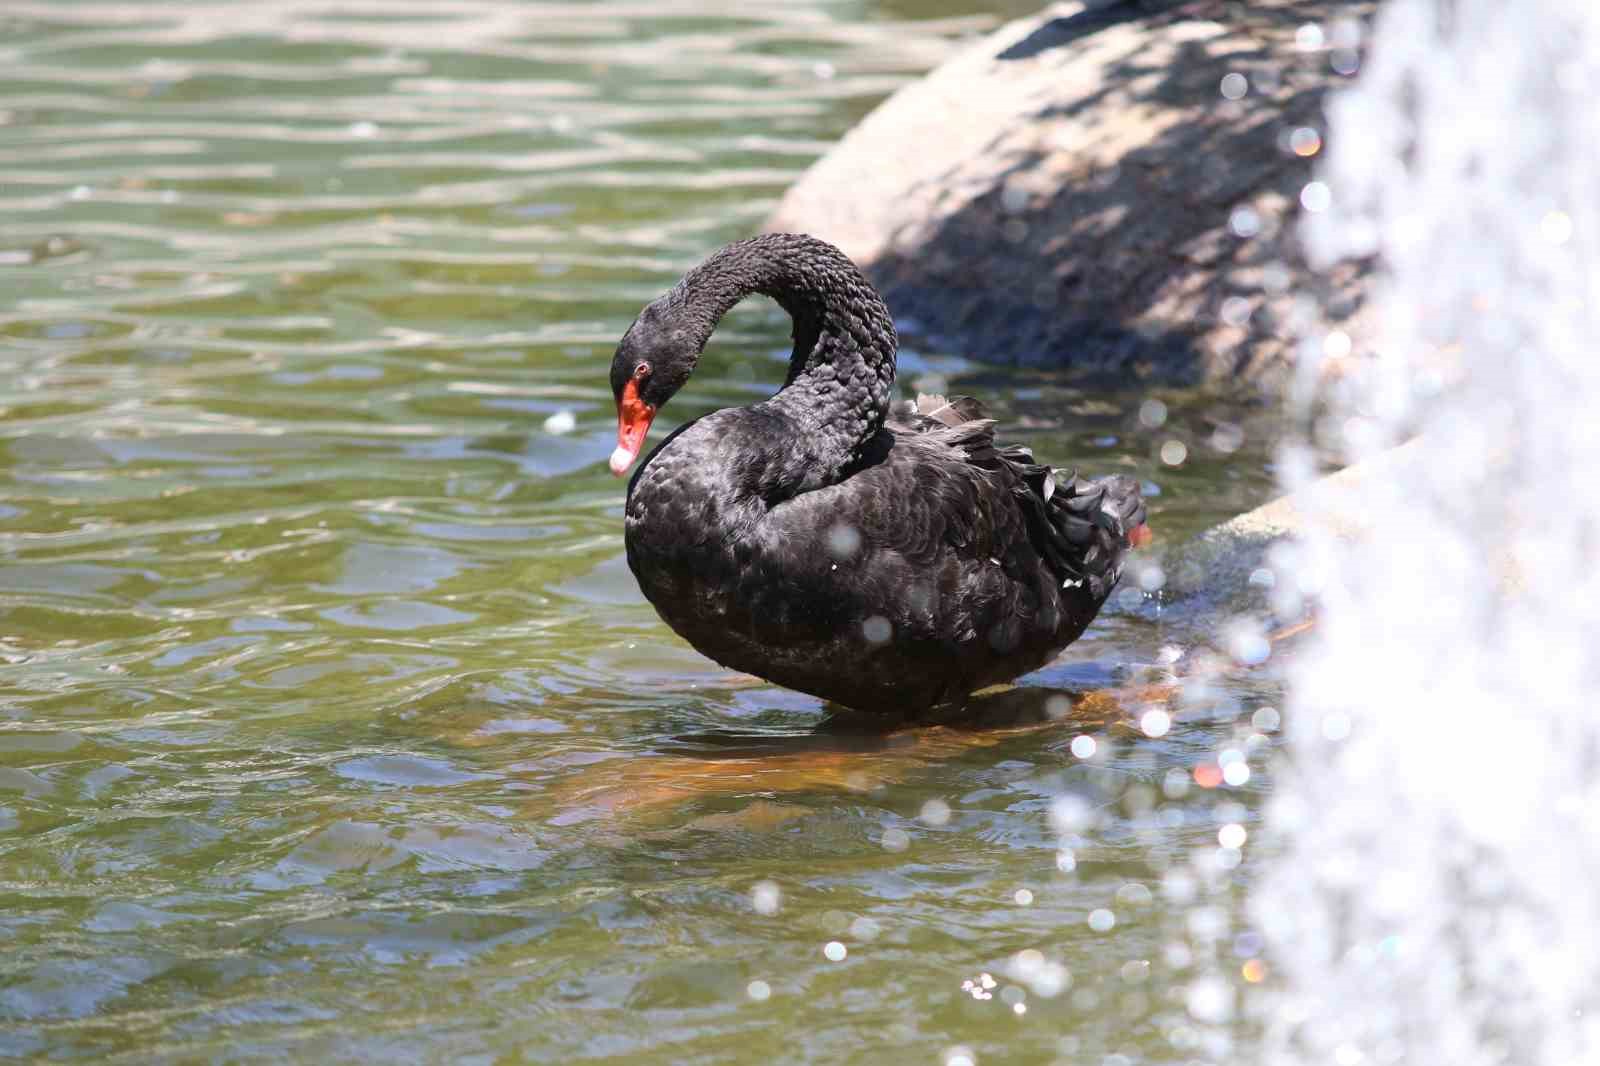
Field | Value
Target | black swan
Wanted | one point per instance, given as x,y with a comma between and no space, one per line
888,560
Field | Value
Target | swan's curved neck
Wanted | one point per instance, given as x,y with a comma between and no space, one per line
841,375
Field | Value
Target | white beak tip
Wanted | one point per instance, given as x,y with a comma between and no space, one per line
621,459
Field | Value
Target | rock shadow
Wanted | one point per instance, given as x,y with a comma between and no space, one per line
1068,28
1170,259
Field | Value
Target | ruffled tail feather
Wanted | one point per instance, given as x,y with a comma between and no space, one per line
1084,527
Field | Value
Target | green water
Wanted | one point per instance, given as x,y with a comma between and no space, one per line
332,725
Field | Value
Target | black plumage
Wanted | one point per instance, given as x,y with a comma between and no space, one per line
886,561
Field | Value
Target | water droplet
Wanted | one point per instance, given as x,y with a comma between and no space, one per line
1210,999
934,812
1308,38
1102,920
1070,814
1178,886
1014,197
1316,197
834,951
1083,746
1046,979
1244,221
1227,437
844,540
1556,227
1023,896
1235,311
1305,142
1153,413
1234,85
877,629
766,897
1174,452
1155,723
758,991
1246,641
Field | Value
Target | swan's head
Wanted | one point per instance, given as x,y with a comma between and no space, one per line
653,360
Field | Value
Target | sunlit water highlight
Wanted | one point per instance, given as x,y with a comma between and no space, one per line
1435,899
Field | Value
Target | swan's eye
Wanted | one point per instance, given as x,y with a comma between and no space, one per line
641,371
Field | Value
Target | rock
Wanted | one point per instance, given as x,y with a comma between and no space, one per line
1079,191
1214,573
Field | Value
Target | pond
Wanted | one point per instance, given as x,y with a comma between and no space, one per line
332,724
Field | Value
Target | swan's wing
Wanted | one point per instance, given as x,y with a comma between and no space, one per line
1080,526
943,517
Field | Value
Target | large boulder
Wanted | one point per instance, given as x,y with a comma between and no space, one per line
1083,189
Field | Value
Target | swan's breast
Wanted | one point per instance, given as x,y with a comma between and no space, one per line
682,523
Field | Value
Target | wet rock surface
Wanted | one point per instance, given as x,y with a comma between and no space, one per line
1107,188
1236,567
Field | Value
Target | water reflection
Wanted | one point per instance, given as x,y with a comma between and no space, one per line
851,751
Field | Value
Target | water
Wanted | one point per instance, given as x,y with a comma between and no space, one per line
332,725
1434,902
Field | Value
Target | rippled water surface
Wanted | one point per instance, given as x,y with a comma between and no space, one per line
332,725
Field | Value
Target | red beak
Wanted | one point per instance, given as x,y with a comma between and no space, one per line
633,422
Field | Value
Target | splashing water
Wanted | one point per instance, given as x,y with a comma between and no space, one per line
1435,900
